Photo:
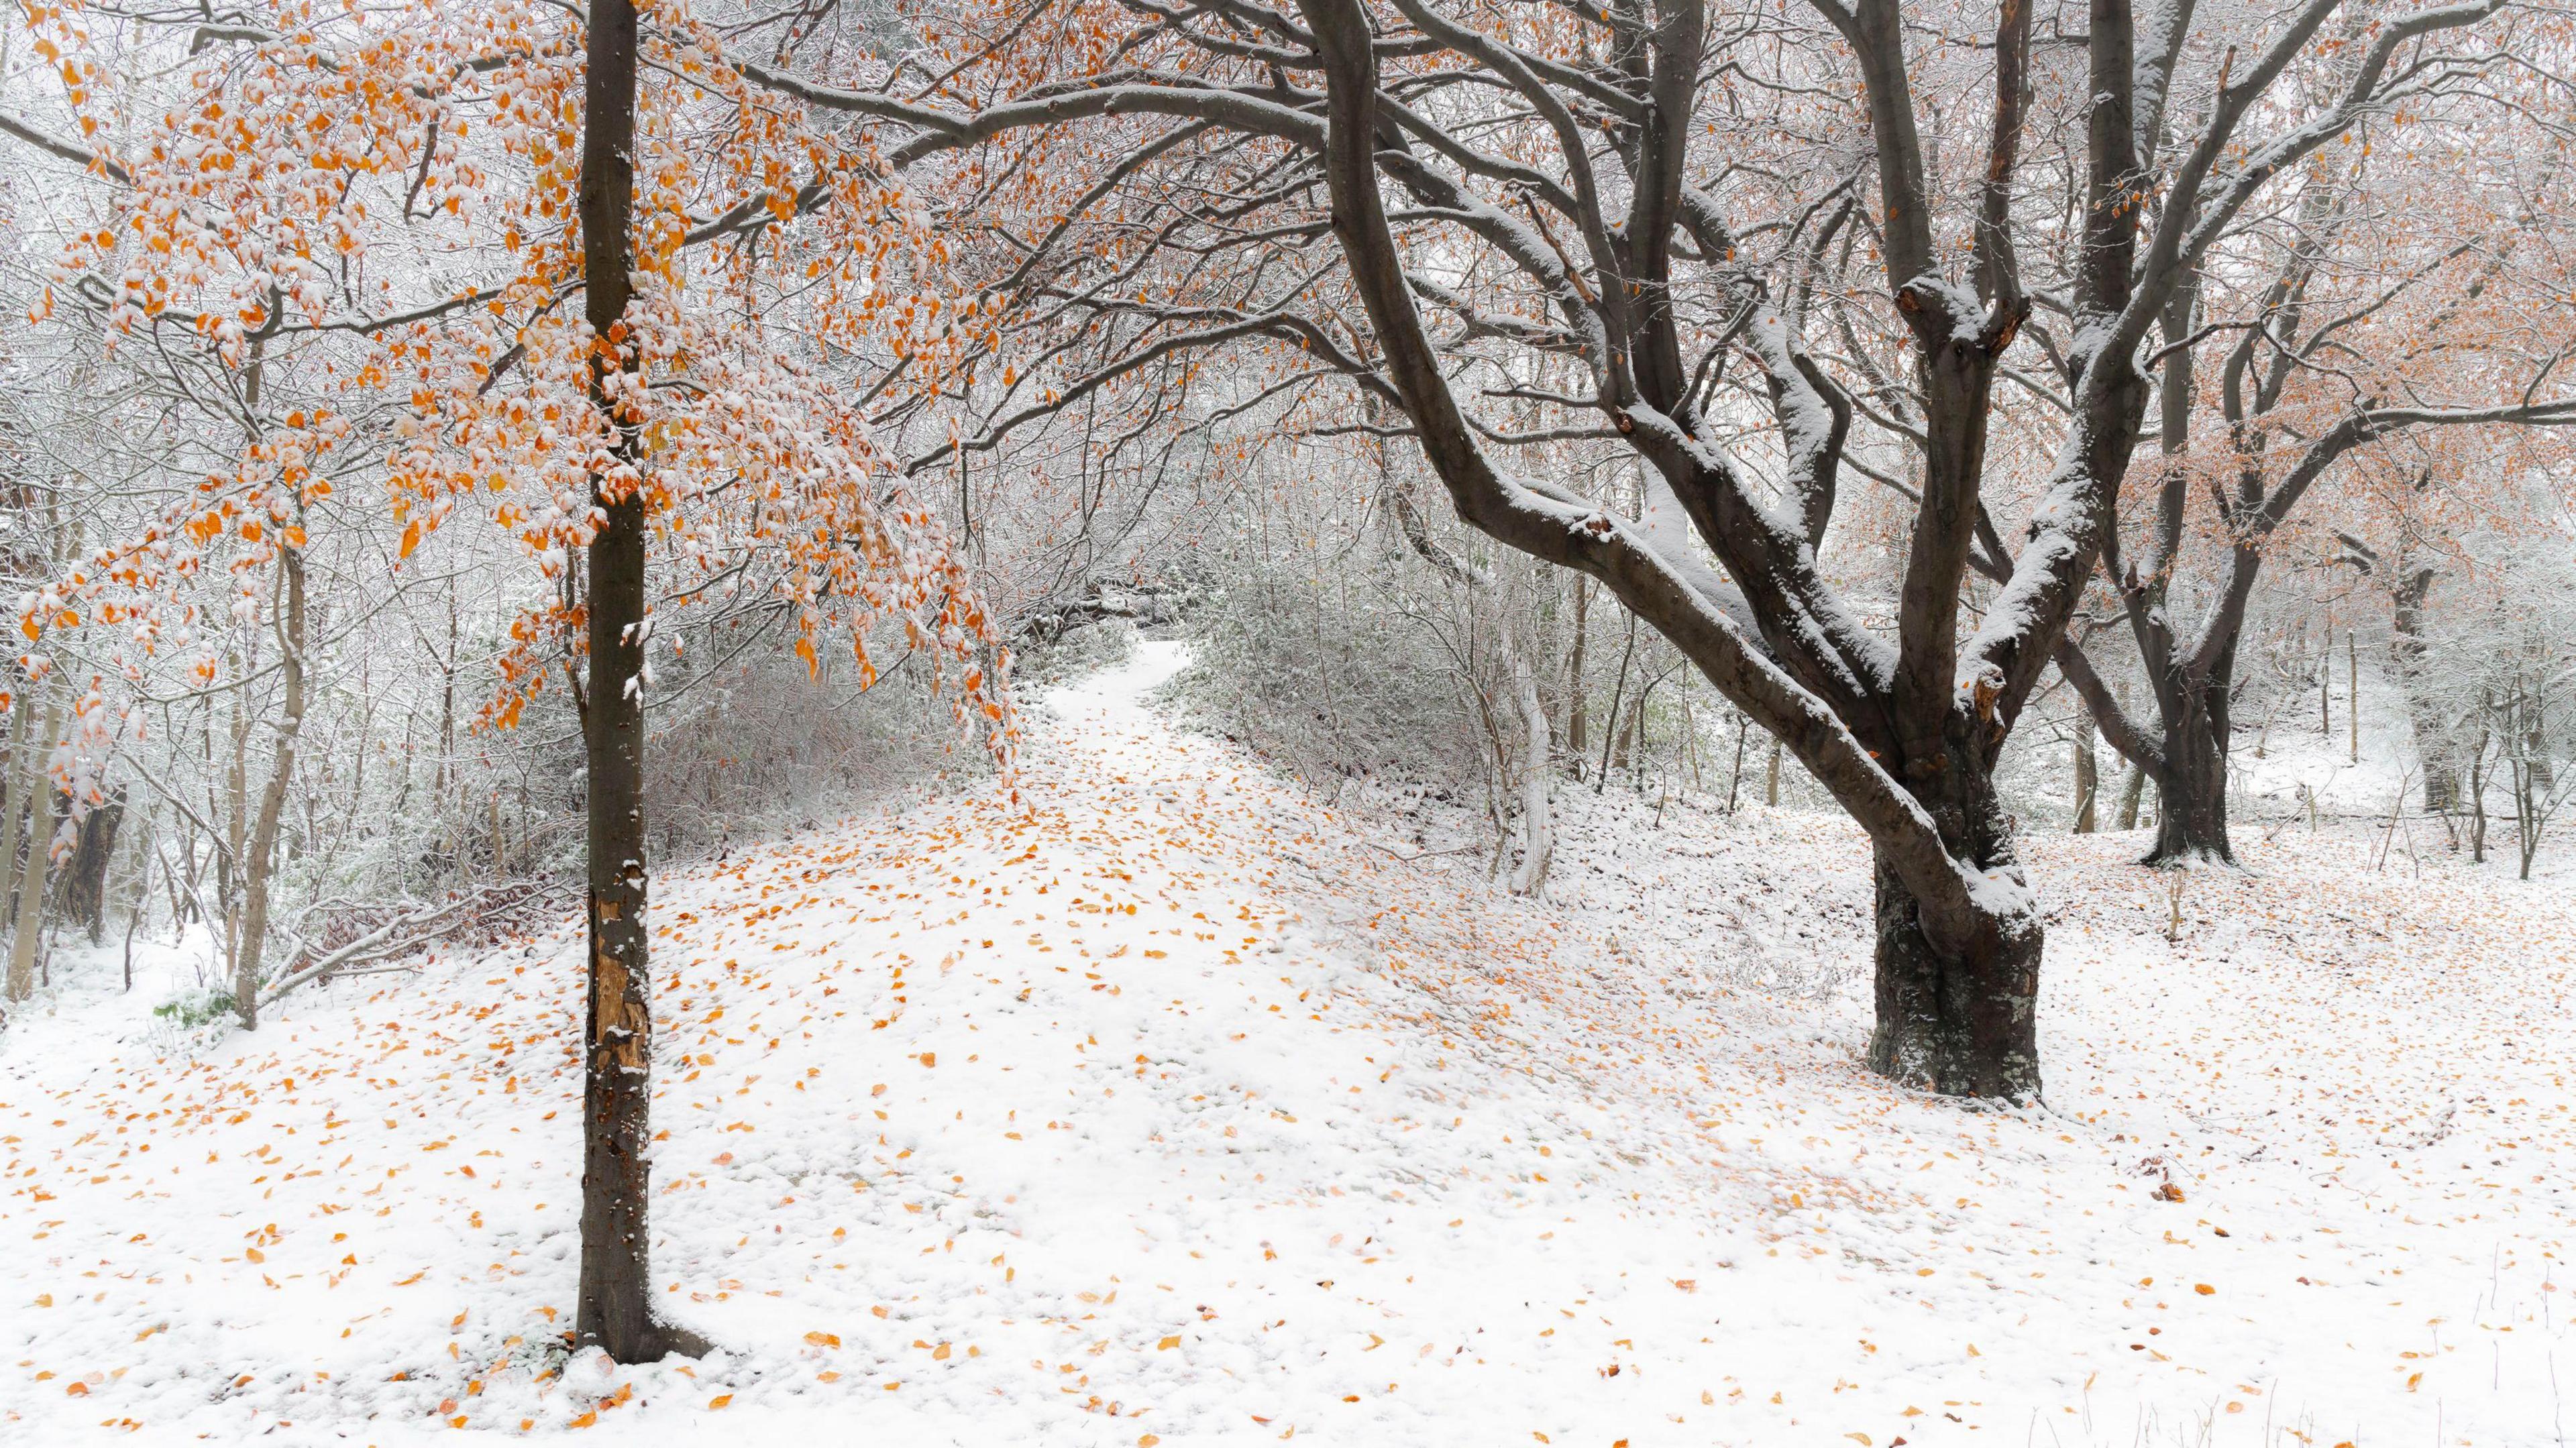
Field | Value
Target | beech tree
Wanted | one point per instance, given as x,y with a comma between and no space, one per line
2330,330
406,203
1646,193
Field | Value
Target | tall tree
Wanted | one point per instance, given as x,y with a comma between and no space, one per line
2351,333
615,1306
1562,184
485,159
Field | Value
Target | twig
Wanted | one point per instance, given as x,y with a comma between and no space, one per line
1423,855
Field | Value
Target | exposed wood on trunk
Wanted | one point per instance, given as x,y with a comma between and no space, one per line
614,1305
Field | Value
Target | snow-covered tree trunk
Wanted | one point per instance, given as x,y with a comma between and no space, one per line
1959,1017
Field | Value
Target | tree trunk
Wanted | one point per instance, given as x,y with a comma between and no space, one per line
1624,757
1575,730
18,783
2088,774
1743,727
615,1308
2478,791
2132,789
261,855
31,880
84,888
2191,790
1962,1023
2436,738
1771,778
1618,696
1538,834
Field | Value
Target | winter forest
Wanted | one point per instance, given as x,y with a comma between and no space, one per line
1111,722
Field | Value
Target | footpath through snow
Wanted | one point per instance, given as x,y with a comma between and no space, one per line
1168,1105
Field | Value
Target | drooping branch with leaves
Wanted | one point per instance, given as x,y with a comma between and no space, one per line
508,272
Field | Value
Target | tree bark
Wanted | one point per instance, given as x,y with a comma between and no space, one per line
2191,785
1618,696
2478,792
1538,833
2088,775
84,888
18,784
1735,780
1575,722
2436,738
614,1309
31,879
1961,1022
261,855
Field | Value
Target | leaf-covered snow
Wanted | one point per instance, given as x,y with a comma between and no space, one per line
1169,1105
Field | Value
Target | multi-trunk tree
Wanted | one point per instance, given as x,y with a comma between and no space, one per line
1674,206
2406,290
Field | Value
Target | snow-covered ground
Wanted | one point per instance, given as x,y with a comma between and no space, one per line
1165,1104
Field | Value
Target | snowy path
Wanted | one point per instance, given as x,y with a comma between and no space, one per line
1165,1106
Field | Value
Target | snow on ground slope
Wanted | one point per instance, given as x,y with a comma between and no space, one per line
1164,1104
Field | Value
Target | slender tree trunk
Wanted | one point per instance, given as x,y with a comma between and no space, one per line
615,1307
31,879
1771,778
2088,774
21,780
2478,791
134,915
2325,687
1575,722
2519,773
260,858
1962,1023
1618,693
1538,834
1735,779
2132,789
2352,685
